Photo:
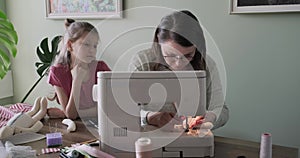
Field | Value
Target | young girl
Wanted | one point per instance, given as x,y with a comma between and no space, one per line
73,73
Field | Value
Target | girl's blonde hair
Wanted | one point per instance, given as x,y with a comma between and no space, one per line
74,31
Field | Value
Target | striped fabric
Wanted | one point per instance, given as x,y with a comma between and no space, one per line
8,112
50,150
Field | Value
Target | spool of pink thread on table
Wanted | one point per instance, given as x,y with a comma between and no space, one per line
143,148
265,146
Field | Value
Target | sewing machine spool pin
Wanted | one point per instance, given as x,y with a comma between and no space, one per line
186,125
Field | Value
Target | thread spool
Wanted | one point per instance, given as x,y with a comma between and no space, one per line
143,147
74,154
265,146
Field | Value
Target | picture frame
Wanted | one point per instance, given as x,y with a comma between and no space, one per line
264,6
84,9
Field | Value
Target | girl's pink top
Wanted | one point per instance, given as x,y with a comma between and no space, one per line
60,76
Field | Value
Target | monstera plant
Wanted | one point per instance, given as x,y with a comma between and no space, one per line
8,42
46,57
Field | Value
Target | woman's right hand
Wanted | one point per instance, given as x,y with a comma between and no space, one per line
160,119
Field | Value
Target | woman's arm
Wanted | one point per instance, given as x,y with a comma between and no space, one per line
215,98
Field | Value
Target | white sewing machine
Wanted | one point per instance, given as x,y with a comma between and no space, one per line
120,96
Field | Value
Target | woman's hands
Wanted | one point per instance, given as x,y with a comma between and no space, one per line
167,120
197,121
163,119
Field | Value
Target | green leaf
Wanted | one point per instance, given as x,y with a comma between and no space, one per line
5,61
5,23
10,34
8,42
41,55
2,72
37,64
2,15
44,46
46,57
55,41
9,45
42,69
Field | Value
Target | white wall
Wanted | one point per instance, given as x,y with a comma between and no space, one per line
6,86
2,5
260,52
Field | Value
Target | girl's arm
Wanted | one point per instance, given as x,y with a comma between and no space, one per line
68,104
93,111
69,107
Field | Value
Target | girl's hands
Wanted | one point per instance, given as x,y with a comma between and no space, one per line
80,72
55,113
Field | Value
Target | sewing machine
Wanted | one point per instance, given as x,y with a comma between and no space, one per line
120,96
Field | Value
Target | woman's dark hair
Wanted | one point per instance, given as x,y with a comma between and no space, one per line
184,28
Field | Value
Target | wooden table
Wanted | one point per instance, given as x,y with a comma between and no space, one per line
224,147
81,134
236,148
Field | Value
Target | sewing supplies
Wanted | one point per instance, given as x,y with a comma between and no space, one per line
71,125
54,139
143,147
265,146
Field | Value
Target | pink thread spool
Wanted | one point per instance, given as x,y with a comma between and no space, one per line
143,147
265,146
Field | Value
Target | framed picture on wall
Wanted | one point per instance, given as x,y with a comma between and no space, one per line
264,6
84,9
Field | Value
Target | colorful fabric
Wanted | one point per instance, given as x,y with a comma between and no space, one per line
50,150
6,113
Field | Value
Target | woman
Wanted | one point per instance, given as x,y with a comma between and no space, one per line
179,45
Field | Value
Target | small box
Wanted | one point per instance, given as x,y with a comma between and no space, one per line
54,139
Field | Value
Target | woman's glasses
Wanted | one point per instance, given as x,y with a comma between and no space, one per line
179,57
175,57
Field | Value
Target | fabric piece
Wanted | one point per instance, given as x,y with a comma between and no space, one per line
6,113
19,151
50,150
26,137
